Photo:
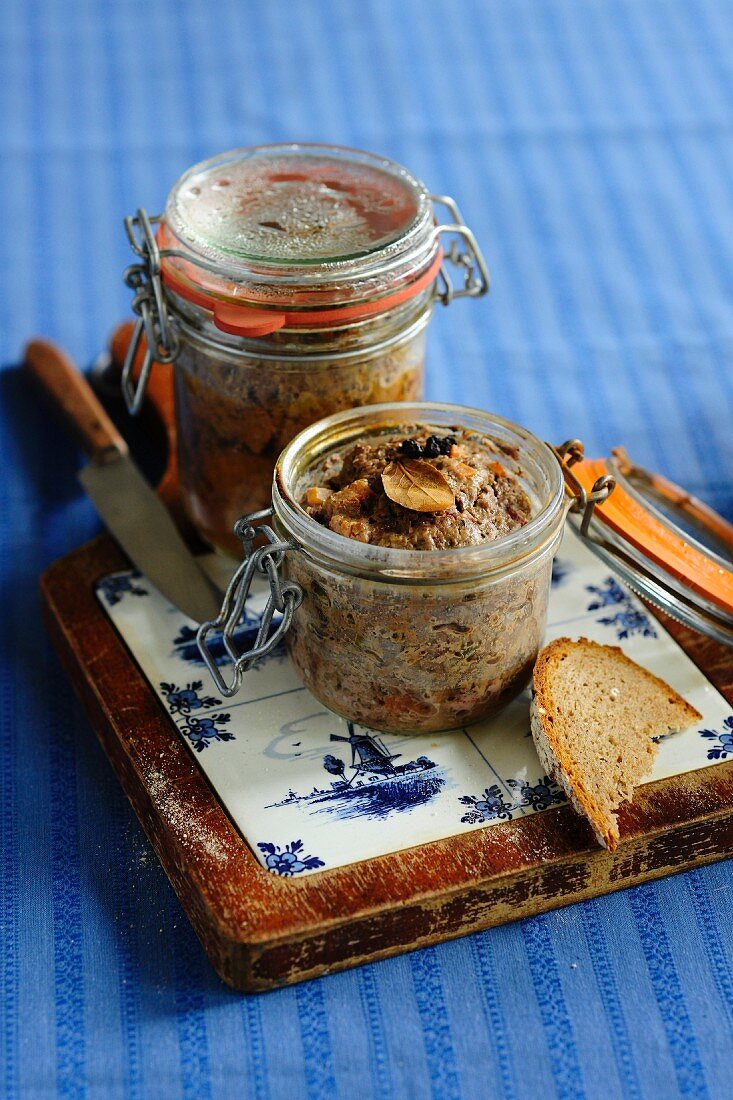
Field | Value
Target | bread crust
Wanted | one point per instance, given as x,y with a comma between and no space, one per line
553,753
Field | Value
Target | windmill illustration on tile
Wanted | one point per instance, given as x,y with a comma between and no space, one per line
377,787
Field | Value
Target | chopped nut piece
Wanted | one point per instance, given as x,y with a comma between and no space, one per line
358,491
464,470
317,494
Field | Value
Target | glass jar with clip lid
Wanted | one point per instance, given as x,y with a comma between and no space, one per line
286,283
414,622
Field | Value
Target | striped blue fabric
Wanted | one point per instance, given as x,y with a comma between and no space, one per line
590,145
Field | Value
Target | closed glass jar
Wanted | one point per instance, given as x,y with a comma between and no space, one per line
404,640
286,283
240,401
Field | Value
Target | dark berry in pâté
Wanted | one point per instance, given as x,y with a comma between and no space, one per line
410,448
436,445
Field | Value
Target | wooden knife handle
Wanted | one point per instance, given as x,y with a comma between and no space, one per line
71,393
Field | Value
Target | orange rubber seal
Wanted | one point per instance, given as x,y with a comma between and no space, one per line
243,319
634,523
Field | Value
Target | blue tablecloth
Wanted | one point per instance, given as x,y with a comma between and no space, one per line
590,145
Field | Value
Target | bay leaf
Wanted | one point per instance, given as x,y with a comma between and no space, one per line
417,484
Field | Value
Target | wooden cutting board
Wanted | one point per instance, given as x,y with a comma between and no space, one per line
261,931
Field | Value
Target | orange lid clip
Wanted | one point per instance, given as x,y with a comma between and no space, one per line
661,544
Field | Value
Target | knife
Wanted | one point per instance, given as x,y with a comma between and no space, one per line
125,501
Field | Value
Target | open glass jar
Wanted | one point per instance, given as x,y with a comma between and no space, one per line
286,282
414,640
405,640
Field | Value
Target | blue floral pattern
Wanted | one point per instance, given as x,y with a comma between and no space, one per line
289,860
537,796
491,806
202,731
723,747
114,588
560,570
629,619
184,700
606,594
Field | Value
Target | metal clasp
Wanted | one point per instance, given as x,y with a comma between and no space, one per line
149,304
285,597
580,500
468,259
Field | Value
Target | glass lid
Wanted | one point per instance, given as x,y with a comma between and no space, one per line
297,227
669,546
296,206
691,519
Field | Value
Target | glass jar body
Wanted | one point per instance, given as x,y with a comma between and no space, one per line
417,658
239,401
418,641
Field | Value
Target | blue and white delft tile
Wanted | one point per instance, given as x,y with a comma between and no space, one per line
284,766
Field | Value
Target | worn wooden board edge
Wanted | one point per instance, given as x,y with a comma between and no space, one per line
261,931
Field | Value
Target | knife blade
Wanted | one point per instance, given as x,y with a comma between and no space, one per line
125,501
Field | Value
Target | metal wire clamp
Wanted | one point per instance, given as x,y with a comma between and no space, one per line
580,500
476,281
285,597
148,303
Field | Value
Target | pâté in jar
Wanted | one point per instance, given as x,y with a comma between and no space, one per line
286,283
415,544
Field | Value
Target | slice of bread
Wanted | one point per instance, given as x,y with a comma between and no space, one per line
593,715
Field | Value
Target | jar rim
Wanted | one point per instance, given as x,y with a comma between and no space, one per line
490,558
293,171
219,263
